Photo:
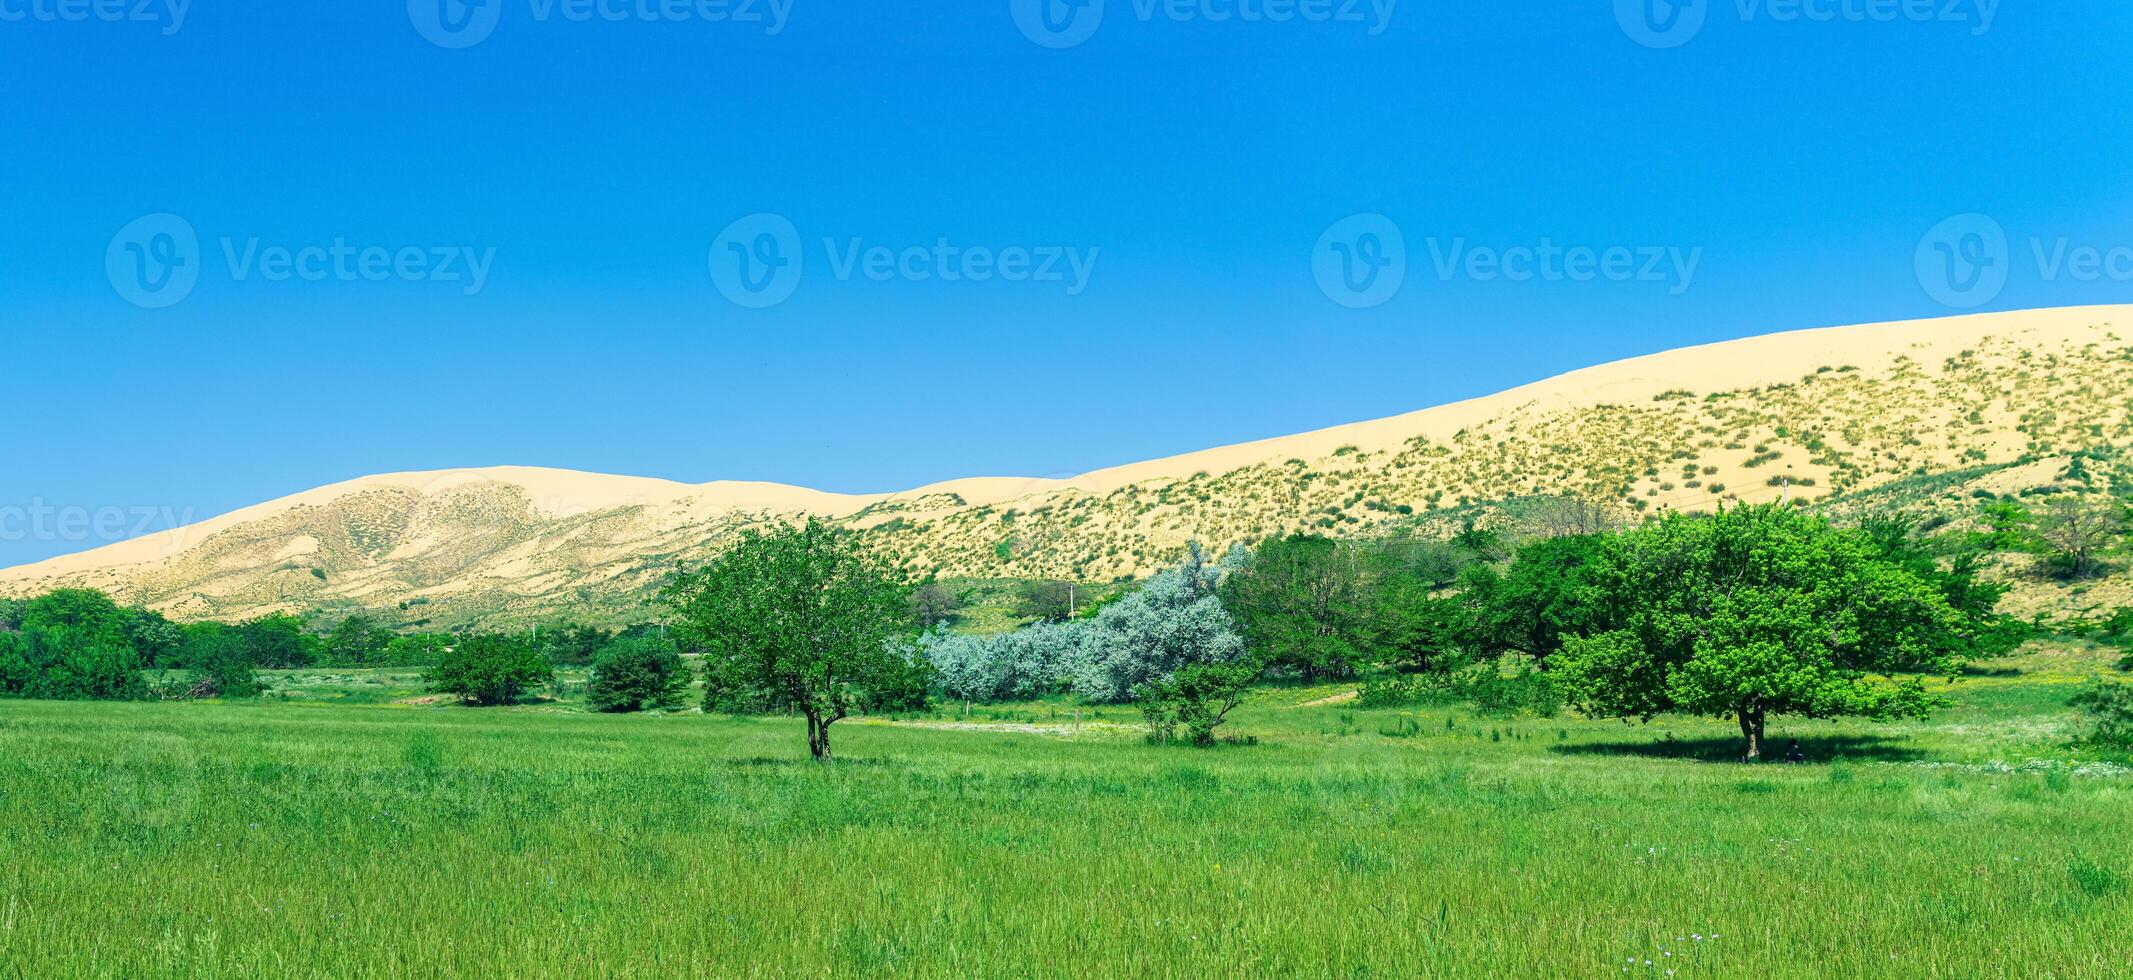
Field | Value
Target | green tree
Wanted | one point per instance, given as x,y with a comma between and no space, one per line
1421,629
357,641
490,669
159,642
73,646
81,611
1197,698
1759,611
280,641
1552,590
220,656
416,650
934,604
574,645
802,615
636,673
1047,600
1303,604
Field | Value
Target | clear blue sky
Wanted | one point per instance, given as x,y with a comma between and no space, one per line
596,162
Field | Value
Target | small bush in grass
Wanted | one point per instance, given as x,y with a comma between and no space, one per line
2107,715
1196,698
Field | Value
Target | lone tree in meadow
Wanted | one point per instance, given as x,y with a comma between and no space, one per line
1759,611
799,617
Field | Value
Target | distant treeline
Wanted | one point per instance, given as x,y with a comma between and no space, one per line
79,644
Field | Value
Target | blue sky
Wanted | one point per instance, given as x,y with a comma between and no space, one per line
591,156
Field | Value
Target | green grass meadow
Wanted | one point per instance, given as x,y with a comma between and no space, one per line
351,836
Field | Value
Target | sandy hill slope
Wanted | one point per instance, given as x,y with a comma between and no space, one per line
1805,414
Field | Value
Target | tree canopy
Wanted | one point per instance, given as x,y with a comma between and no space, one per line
1753,612
799,616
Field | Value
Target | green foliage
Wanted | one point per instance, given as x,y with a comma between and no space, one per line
2107,715
1303,605
415,650
638,673
1028,663
489,669
1555,588
220,655
357,641
1196,698
934,604
798,615
73,645
280,642
1759,611
572,645
1526,691
1049,600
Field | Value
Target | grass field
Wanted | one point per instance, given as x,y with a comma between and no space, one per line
311,838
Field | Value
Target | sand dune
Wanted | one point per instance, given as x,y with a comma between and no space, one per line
538,534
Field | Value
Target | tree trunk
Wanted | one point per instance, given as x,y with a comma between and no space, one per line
1751,728
818,737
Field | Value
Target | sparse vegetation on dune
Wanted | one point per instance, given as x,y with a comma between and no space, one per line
1883,408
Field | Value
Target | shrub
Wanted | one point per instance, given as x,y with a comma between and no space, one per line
637,673
2106,716
1027,663
1197,698
934,604
1173,621
1527,691
490,669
